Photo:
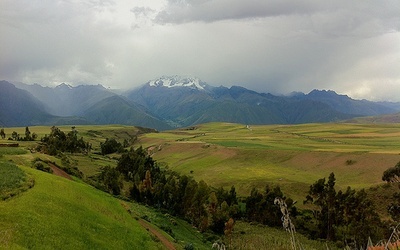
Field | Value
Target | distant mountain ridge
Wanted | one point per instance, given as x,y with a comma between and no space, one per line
65,100
176,101
94,104
182,106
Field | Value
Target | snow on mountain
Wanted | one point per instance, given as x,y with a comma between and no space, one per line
177,81
64,86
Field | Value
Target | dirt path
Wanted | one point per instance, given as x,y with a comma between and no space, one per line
149,227
59,172
167,243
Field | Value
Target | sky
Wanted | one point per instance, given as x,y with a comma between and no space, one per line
271,46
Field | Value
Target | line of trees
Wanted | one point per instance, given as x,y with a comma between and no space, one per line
16,137
340,216
180,195
348,216
392,175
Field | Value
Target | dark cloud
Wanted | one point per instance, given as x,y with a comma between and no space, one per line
331,18
276,46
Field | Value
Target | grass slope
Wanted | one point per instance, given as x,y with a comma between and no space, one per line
293,156
57,213
61,214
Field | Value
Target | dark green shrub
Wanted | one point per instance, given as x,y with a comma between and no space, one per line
111,146
39,165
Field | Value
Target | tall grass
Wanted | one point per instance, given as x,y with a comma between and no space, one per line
250,236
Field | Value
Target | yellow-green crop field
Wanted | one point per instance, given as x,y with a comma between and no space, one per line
221,154
291,156
224,154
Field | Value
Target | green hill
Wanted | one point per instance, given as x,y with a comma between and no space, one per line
391,118
57,213
118,110
61,214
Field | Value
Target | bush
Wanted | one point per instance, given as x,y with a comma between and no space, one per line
39,165
168,230
350,162
111,146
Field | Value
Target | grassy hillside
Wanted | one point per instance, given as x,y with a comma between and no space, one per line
391,118
293,157
61,214
58,213
223,154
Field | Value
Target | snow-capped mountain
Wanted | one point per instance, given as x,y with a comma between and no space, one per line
176,101
64,86
184,101
178,81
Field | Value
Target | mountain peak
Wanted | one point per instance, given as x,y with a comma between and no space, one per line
178,81
64,86
327,94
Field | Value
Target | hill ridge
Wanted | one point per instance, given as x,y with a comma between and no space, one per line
177,101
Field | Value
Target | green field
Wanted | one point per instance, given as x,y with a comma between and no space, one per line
57,213
224,154
292,156
60,214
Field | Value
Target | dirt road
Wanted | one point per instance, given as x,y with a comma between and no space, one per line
167,243
59,172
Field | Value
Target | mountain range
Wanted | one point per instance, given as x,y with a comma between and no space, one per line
170,102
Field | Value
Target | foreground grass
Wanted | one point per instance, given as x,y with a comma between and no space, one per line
62,214
248,236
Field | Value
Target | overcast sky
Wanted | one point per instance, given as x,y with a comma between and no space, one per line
276,46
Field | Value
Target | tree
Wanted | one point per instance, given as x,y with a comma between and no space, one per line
261,207
15,136
111,146
392,175
27,134
229,230
34,136
324,196
349,215
2,133
111,180
199,213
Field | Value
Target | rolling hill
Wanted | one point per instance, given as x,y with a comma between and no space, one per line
390,118
118,110
61,214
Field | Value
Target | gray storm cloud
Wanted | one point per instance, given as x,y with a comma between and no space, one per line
352,47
